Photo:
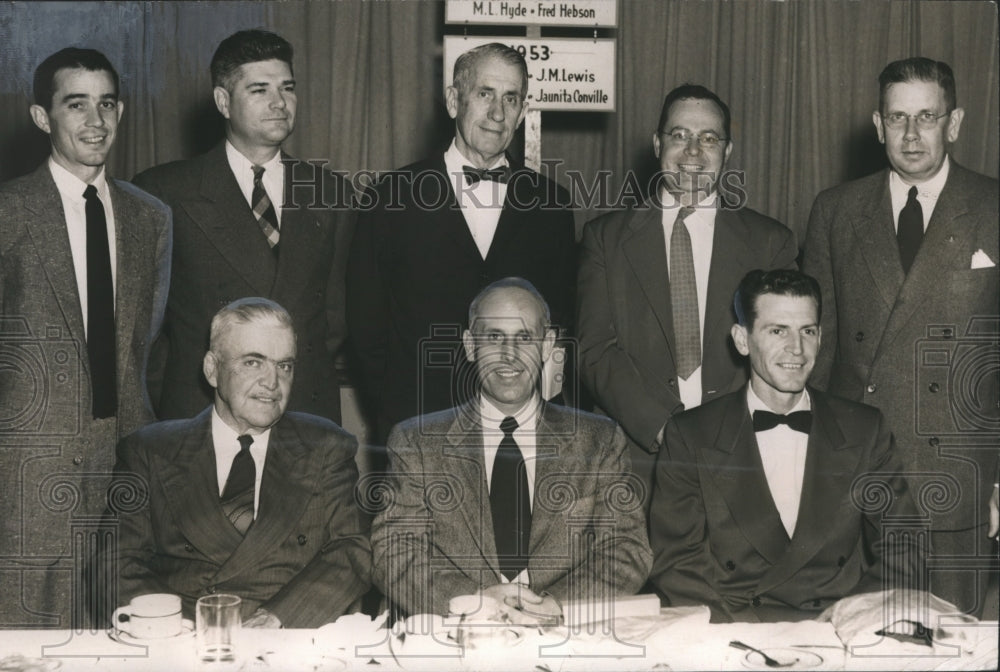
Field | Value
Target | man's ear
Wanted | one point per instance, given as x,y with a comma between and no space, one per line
40,117
210,367
879,128
468,342
739,334
955,123
221,96
548,343
451,101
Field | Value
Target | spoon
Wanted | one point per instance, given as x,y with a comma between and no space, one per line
768,660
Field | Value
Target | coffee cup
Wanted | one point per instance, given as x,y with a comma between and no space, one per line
153,616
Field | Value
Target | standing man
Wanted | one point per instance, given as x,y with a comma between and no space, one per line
656,283
769,501
507,495
907,259
250,220
438,231
244,498
84,270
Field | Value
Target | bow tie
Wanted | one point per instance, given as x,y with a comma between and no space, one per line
474,175
800,421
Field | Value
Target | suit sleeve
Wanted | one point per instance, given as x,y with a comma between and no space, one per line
619,383
341,572
619,558
818,264
682,558
407,569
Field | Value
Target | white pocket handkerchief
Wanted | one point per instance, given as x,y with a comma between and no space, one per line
981,260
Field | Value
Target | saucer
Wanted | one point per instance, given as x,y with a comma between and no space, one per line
122,637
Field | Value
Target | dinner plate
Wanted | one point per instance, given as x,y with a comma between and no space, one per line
796,659
187,630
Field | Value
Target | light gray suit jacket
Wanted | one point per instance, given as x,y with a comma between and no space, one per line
55,459
434,538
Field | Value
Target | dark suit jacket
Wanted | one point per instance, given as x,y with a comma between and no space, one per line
625,322
434,539
716,533
220,255
917,347
55,459
306,558
414,266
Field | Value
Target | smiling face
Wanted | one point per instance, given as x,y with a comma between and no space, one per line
259,107
251,371
782,344
917,154
691,169
509,342
487,111
83,120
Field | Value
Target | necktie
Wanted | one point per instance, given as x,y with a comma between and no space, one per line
509,504
800,421
684,298
263,209
237,496
474,175
100,310
910,231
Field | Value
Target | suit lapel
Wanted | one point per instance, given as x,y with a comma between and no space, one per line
550,439
131,262
877,244
450,216
301,230
645,249
190,484
739,474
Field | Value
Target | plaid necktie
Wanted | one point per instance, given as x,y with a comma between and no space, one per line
684,298
100,310
263,209
238,495
509,504
910,231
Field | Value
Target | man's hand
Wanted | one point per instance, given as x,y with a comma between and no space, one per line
523,606
262,618
994,512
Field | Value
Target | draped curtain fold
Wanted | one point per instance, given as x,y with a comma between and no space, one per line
800,78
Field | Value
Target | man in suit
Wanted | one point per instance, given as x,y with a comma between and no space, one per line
244,498
436,232
233,237
907,259
84,269
656,282
769,501
508,495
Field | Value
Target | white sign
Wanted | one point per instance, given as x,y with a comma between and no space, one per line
563,74
545,13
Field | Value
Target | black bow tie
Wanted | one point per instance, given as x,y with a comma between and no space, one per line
499,174
800,421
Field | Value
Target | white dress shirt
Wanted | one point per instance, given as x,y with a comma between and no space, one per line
783,454
701,227
273,177
225,439
927,193
481,203
524,436
71,190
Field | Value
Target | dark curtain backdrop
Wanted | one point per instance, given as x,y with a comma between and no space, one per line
800,78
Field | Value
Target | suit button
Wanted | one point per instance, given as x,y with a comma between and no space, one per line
816,604
933,387
860,336
189,548
755,601
871,388
78,460
841,561
314,396
302,540
934,441
210,590
672,383
730,565
309,348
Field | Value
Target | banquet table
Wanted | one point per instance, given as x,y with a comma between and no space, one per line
674,640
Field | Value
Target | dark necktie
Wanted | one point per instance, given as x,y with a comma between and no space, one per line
509,504
800,421
474,175
684,298
263,209
237,496
910,230
100,310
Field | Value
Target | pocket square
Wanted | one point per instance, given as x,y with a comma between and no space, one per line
981,260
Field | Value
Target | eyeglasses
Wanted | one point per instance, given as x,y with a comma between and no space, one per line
925,120
707,140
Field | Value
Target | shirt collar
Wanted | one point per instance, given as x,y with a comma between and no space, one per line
929,189
238,162
755,403
454,160
224,435
710,202
71,186
491,416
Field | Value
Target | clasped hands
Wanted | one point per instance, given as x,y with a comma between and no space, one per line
522,606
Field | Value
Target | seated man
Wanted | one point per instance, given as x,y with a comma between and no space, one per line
244,498
508,496
761,519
